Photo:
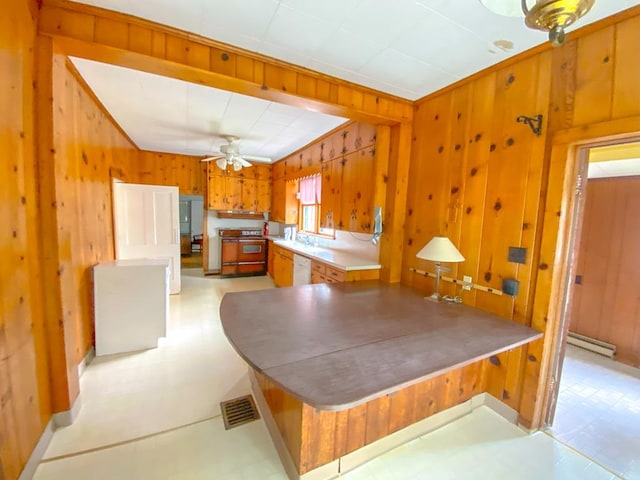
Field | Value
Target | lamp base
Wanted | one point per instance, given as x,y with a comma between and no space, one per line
435,297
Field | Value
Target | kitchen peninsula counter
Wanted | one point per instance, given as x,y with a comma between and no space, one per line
330,350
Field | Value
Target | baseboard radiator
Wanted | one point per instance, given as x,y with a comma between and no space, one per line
591,344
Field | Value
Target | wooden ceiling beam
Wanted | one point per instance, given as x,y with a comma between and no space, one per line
118,39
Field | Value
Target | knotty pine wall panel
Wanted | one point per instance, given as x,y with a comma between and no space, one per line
186,172
25,406
482,180
88,150
316,437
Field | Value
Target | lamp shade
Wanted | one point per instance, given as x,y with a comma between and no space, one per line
440,249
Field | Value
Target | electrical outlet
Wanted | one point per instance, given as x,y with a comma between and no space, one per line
467,281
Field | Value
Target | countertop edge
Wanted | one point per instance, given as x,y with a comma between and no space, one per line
388,390
359,264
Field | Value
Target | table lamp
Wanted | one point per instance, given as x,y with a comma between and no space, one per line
438,250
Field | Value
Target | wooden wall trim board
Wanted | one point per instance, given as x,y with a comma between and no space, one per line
393,241
107,36
64,384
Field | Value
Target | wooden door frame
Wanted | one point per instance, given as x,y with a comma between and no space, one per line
561,228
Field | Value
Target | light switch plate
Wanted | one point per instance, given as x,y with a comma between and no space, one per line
467,281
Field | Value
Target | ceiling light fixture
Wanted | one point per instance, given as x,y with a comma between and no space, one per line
229,155
554,16
551,16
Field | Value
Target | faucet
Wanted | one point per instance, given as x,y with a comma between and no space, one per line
305,237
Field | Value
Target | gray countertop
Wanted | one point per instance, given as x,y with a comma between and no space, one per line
335,346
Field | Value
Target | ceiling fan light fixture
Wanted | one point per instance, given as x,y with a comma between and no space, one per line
554,16
222,163
230,155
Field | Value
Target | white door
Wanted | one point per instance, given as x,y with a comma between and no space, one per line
147,225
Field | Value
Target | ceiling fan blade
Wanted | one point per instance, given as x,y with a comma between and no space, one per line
209,159
257,158
222,163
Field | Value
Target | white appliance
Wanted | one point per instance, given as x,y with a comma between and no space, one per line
301,270
131,304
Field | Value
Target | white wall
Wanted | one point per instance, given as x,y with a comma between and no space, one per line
197,211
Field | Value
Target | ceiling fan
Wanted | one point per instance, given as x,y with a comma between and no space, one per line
230,155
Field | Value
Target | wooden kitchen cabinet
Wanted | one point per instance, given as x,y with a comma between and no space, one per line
331,188
357,192
248,190
278,194
346,160
324,273
284,206
282,267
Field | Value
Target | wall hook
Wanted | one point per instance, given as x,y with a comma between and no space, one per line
534,122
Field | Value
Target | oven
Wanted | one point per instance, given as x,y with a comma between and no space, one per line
243,252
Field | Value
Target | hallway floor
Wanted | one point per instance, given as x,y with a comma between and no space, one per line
155,414
598,410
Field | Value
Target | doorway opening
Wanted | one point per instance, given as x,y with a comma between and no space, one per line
594,401
191,230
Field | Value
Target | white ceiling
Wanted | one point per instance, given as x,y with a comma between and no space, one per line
408,48
614,168
167,115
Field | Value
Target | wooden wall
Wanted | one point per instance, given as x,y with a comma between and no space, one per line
25,405
606,304
90,151
480,177
186,172
346,159
56,206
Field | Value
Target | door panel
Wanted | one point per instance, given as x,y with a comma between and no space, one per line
147,225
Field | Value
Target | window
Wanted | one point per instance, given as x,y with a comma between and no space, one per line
310,193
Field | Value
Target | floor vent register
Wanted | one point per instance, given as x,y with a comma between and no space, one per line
239,411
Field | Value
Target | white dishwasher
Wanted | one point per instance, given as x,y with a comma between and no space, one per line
301,270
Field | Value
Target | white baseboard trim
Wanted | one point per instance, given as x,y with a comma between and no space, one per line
84,363
369,452
502,409
66,418
30,467
57,420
